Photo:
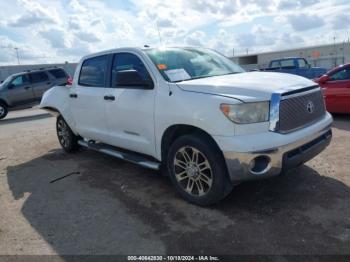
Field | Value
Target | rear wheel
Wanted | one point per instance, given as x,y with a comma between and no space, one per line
3,110
66,137
198,171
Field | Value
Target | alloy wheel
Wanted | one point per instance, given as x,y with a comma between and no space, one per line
2,110
193,171
63,133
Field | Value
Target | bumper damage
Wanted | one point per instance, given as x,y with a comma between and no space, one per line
271,162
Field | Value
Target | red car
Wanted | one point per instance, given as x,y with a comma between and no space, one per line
335,85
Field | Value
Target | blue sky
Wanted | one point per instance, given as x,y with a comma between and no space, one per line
58,31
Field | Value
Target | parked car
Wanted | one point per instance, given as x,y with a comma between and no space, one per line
193,114
336,89
296,66
27,88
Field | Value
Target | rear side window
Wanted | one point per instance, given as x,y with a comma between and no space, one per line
39,77
275,64
287,63
58,73
93,72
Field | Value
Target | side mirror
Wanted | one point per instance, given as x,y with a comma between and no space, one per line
131,78
11,86
323,79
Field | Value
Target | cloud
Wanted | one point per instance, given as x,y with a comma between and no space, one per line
195,39
87,37
65,30
340,21
303,22
34,13
219,7
56,37
288,4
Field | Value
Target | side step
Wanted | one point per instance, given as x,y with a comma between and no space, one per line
130,157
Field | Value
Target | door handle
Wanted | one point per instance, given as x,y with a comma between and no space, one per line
110,98
27,87
73,95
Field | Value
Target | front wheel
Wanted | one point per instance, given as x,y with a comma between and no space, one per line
3,110
197,170
66,137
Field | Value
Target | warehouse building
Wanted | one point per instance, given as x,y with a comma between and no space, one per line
6,71
326,56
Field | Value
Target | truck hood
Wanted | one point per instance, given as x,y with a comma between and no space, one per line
248,87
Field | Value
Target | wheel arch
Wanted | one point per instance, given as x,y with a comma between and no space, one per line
175,131
4,102
52,110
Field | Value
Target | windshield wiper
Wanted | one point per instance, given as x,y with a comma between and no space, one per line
192,78
199,77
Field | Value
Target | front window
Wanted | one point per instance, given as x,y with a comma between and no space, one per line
128,61
180,64
302,63
341,75
20,80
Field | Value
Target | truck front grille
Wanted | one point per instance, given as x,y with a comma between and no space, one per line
300,109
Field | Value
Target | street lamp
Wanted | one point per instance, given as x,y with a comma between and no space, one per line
16,48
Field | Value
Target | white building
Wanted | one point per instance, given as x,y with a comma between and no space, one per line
327,56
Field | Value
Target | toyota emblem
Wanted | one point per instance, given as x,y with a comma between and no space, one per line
310,107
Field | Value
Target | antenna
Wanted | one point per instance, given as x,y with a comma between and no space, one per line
160,38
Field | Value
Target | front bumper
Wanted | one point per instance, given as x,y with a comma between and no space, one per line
278,158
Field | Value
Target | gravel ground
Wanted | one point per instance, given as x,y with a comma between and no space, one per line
107,206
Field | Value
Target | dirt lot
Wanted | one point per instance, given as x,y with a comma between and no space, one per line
107,206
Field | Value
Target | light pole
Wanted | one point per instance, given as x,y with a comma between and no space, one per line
16,48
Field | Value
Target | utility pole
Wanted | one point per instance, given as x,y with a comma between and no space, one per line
16,48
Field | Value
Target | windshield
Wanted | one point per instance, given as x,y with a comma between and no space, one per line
7,80
180,64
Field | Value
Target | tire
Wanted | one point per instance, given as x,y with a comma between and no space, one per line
3,110
66,137
198,170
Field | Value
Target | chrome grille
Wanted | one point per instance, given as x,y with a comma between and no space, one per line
300,109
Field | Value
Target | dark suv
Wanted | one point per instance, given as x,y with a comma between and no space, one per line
27,88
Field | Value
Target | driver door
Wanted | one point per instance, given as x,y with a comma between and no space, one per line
130,112
20,91
337,91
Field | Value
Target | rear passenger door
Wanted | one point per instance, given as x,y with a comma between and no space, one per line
86,99
40,83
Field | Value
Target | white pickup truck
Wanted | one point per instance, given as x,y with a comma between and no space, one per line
193,114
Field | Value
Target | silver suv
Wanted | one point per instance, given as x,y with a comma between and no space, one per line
27,88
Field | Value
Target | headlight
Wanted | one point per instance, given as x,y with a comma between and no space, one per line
247,113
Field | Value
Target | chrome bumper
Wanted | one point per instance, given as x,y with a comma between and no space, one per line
280,158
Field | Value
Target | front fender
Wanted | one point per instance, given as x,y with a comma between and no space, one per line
56,101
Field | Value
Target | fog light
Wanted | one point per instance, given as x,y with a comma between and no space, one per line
259,165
